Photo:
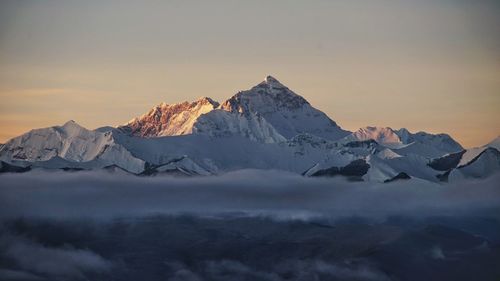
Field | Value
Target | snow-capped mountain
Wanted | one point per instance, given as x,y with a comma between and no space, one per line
483,165
441,142
472,153
71,143
383,135
403,142
289,113
477,162
169,119
266,127
268,112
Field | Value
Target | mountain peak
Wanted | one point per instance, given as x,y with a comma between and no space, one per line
199,101
382,135
206,100
271,82
289,113
71,124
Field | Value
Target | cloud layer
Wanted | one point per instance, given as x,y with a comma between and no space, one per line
34,258
100,194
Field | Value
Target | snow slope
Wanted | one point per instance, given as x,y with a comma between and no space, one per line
220,123
379,170
485,164
219,154
472,153
421,149
441,142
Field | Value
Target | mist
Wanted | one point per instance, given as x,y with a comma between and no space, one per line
253,192
245,225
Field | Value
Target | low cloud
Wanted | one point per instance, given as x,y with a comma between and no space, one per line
36,259
12,275
278,194
293,269
182,273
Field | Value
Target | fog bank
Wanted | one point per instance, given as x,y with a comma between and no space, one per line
104,195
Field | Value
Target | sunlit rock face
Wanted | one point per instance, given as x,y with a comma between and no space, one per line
169,119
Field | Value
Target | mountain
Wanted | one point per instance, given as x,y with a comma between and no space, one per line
182,166
72,143
169,119
477,162
383,135
266,127
441,142
483,165
447,162
289,113
403,142
9,168
268,112
472,153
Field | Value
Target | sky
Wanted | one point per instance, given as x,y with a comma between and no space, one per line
425,65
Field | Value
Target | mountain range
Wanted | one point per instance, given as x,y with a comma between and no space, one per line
266,127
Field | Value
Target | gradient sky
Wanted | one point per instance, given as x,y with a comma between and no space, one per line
424,65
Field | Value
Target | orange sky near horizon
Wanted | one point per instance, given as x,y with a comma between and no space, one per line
421,65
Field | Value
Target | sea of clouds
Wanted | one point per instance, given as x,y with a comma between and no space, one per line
104,195
70,202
